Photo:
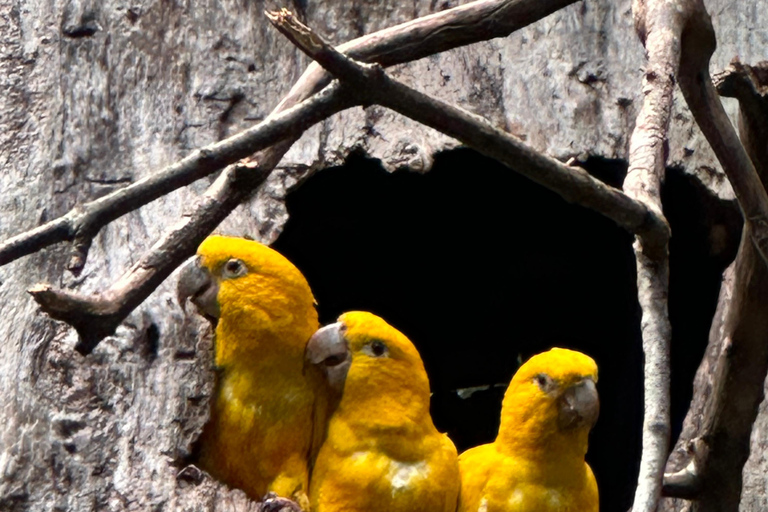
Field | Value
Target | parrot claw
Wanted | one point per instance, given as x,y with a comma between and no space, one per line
190,474
271,502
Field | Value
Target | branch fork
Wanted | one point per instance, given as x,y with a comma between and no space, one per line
469,23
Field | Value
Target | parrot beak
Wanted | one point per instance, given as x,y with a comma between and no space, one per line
579,405
328,350
196,282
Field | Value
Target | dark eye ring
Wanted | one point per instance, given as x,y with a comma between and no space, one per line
543,381
234,268
378,348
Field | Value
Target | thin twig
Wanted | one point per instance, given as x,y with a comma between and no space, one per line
372,85
470,23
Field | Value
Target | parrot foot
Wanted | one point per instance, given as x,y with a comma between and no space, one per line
190,474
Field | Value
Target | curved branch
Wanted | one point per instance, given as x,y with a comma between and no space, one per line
707,109
729,383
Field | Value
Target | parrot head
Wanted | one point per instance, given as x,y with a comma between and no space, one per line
246,285
552,393
361,352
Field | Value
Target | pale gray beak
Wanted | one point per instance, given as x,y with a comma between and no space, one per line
579,406
197,283
328,350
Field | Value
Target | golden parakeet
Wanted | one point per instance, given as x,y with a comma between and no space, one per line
382,451
537,462
261,429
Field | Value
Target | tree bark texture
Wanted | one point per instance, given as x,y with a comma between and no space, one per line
729,385
98,94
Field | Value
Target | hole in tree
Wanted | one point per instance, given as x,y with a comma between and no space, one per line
151,342
482,268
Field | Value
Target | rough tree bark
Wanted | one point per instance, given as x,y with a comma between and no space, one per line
715,442
98,94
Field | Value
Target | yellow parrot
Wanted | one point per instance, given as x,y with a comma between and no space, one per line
382,452
537,462
261,429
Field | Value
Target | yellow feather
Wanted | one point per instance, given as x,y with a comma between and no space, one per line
261,429
382,452
533,465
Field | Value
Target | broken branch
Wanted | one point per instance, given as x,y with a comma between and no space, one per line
685,483
97,316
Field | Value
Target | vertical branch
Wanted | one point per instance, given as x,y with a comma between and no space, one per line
659,27
721,445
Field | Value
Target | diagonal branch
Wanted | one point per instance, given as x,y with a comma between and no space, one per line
470,23
95,317
372,85
728,389
463,25
467,24
707,109
83,222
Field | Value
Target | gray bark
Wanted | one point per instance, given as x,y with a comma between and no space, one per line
94,95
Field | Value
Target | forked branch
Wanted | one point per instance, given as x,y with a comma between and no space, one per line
372,85
470,23
97,316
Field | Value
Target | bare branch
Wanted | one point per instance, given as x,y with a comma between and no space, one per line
97,316
474,22
82,223
729,383
749,85
707,109
685,483
439,32
658,25
572,183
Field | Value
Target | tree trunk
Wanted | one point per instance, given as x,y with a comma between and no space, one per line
97,94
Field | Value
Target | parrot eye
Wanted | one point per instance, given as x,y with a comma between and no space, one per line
544,382
234,268
378,348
